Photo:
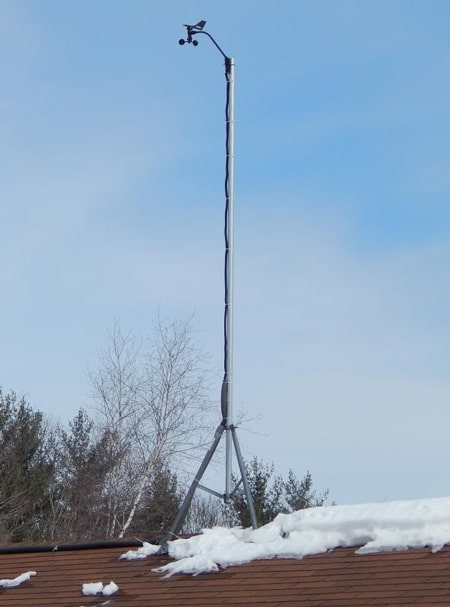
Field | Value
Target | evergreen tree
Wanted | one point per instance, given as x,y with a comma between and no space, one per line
159,505
272,495
84,461
26,470
299,494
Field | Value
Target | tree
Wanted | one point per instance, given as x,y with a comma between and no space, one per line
84,459
156,405
272,495
205,512
26,470
158,506
300,494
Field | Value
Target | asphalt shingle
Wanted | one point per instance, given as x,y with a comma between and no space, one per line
339,578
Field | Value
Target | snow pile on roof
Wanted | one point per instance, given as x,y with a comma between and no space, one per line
17,580
145,550
94,588
109,589
371,527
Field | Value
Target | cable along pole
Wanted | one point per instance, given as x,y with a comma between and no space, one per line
226,425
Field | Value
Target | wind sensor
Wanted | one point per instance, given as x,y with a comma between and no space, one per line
198,27
226,425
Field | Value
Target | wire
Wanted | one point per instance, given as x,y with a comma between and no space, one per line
225,383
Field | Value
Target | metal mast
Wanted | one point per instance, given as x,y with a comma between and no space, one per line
226,425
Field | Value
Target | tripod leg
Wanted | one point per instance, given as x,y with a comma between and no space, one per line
184,508
248,495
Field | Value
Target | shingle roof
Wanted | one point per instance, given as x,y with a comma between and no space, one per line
339,578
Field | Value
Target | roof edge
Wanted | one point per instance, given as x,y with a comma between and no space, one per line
29,548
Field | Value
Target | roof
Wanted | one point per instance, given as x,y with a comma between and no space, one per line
338,578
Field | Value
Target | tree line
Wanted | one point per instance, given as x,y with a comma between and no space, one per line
116,472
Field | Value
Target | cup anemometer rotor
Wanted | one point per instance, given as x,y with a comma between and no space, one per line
192,29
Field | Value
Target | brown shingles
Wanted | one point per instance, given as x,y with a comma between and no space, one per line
335,579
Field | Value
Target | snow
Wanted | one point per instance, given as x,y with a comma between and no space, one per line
94,588
5,583
369,527
145,550
110,588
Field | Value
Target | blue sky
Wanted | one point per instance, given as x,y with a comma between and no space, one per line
111,197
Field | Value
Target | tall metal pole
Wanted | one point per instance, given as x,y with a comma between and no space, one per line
226,426
229,273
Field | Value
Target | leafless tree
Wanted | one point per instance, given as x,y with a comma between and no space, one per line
205,512
156,404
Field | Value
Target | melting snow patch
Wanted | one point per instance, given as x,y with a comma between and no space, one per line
17,580
145,550
110,588
370,527
94,588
